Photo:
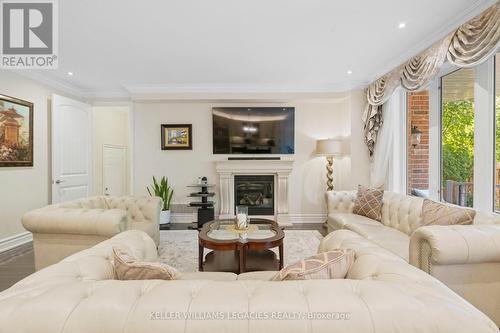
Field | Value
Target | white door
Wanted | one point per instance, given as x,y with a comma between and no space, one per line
113,160
71,149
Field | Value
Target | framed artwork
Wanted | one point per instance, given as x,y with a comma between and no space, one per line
16,132
176,137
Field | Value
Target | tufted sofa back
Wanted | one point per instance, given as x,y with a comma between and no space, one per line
93,264
139,209
84,297
402,212
98,202
340,201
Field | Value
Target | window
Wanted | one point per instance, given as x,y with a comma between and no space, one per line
457,137
497,132
417,129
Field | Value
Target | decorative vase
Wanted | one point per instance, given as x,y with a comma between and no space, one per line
241,220
165,217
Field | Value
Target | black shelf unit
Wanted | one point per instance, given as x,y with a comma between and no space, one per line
205,207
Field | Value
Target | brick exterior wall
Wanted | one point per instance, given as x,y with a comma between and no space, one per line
418,157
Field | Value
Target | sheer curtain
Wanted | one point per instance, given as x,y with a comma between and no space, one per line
385,168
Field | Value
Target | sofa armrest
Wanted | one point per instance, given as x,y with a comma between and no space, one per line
340,201
98,222
454,245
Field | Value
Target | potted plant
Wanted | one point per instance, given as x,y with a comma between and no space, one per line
165,192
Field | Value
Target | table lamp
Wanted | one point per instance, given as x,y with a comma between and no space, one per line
329,148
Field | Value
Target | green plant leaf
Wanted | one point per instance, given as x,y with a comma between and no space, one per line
162,190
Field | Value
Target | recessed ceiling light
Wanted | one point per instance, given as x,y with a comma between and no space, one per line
349,72
401,25
70,73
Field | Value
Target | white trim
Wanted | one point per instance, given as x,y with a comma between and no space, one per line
308,218
236,91
108,96
435,139
15,241
484,136
56,83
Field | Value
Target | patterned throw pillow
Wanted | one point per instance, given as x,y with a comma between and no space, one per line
327,265
128,267
369,202
436,213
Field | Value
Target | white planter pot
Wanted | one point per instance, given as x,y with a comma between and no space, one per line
165,217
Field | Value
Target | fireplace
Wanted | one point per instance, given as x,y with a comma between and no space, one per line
279,170
256,192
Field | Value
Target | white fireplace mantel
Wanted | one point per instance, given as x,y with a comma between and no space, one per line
281,169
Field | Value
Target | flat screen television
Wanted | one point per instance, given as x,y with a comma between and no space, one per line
256,130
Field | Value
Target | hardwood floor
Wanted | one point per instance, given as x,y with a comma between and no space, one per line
16,264
19,262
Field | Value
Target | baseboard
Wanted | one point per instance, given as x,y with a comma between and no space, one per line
307,218
183,217
14,241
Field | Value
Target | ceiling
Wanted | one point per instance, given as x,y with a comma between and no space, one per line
118,48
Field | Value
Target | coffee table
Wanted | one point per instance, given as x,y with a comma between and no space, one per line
237,251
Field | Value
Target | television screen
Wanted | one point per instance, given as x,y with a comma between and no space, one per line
260,130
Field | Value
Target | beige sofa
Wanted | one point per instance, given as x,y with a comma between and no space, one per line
63,229
382,293
465,258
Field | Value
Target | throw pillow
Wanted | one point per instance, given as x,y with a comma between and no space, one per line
436,213
369,202
128,267
327,265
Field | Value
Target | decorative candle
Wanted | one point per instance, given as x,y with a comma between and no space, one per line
241,221
241,217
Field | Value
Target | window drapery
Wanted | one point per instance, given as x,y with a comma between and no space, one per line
468,46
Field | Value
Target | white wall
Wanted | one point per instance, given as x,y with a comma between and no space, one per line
26,188
110,125
319,119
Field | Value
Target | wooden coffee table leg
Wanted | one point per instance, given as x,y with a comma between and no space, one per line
243,258
280,248
200,258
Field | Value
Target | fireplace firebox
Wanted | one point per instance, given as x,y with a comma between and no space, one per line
256,192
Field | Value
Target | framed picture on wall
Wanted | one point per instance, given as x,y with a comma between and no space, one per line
176,137
16,132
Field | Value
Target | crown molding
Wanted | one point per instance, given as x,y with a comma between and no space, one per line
236,91
267,92
474,9
103,96
57,84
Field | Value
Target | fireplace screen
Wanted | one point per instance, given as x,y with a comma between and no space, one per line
256,192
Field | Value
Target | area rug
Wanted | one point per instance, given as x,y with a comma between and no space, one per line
179,248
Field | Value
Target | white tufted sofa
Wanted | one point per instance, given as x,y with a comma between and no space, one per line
465,258
382,294
63,229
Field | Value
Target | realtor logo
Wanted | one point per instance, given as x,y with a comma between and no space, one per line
29,34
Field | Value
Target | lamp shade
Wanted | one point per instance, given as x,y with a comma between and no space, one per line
328,147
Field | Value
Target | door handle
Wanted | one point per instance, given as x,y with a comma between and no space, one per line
59,181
